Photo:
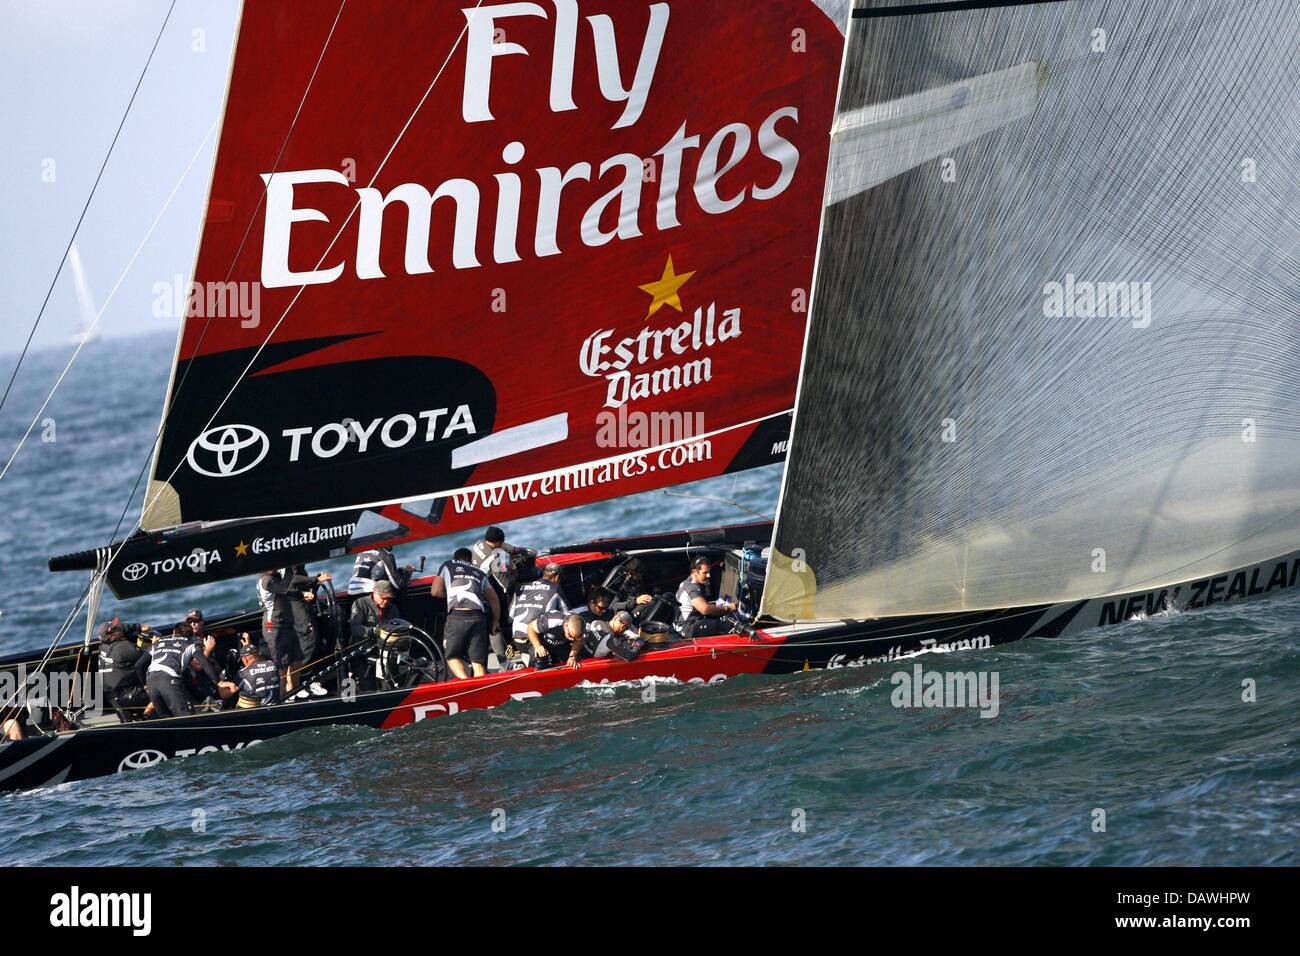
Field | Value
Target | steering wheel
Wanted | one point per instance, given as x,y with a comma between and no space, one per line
410,657
329,613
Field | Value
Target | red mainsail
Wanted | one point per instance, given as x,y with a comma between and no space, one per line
497,260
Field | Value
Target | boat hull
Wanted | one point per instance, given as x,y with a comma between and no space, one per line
47,761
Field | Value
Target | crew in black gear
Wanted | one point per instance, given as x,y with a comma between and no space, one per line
118,653
532,600
288,631
473,609
373,609
378,564
496,558
165,670
550,637
561,638
633,596
302,601
492,555
259,679
696,616
618,636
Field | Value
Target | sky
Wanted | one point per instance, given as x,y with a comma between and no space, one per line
67,69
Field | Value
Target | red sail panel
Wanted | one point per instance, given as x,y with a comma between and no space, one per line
495,244
201,554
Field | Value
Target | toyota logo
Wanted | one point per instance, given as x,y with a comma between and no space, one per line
141,759
223,447
134,572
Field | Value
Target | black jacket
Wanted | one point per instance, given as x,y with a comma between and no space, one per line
117,662
366,616
273,590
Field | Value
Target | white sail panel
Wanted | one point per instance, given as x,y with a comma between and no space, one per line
1056,356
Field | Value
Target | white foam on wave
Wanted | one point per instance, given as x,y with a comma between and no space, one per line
607,688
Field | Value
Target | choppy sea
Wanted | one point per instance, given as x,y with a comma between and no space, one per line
1182,730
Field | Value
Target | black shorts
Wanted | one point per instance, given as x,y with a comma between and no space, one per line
281,646
306,644
465,637
706,627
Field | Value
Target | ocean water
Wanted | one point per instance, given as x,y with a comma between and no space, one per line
1145,722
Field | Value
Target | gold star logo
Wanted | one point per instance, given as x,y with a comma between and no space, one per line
664,291
241,549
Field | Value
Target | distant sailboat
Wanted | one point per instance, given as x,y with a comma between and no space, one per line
87,330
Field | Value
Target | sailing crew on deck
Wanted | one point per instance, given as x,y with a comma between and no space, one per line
373,609
531,601
632,595
166,667
617,636
197,623
473,611
554,636
258,681
302,599
696,616
592,620
119,650
279,636
492,556
587,633
378,564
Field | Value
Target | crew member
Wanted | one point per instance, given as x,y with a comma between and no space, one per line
373,609
197,624
696,616
258,682
378,564
492,555
118,653
165,670
279,637
496,559
631,594
532,600
302,599
473,611
556,637
618,636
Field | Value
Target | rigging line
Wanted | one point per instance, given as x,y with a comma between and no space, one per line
266,185
49,652
292,302
84,208
148,460
114,552
104,307
724,501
